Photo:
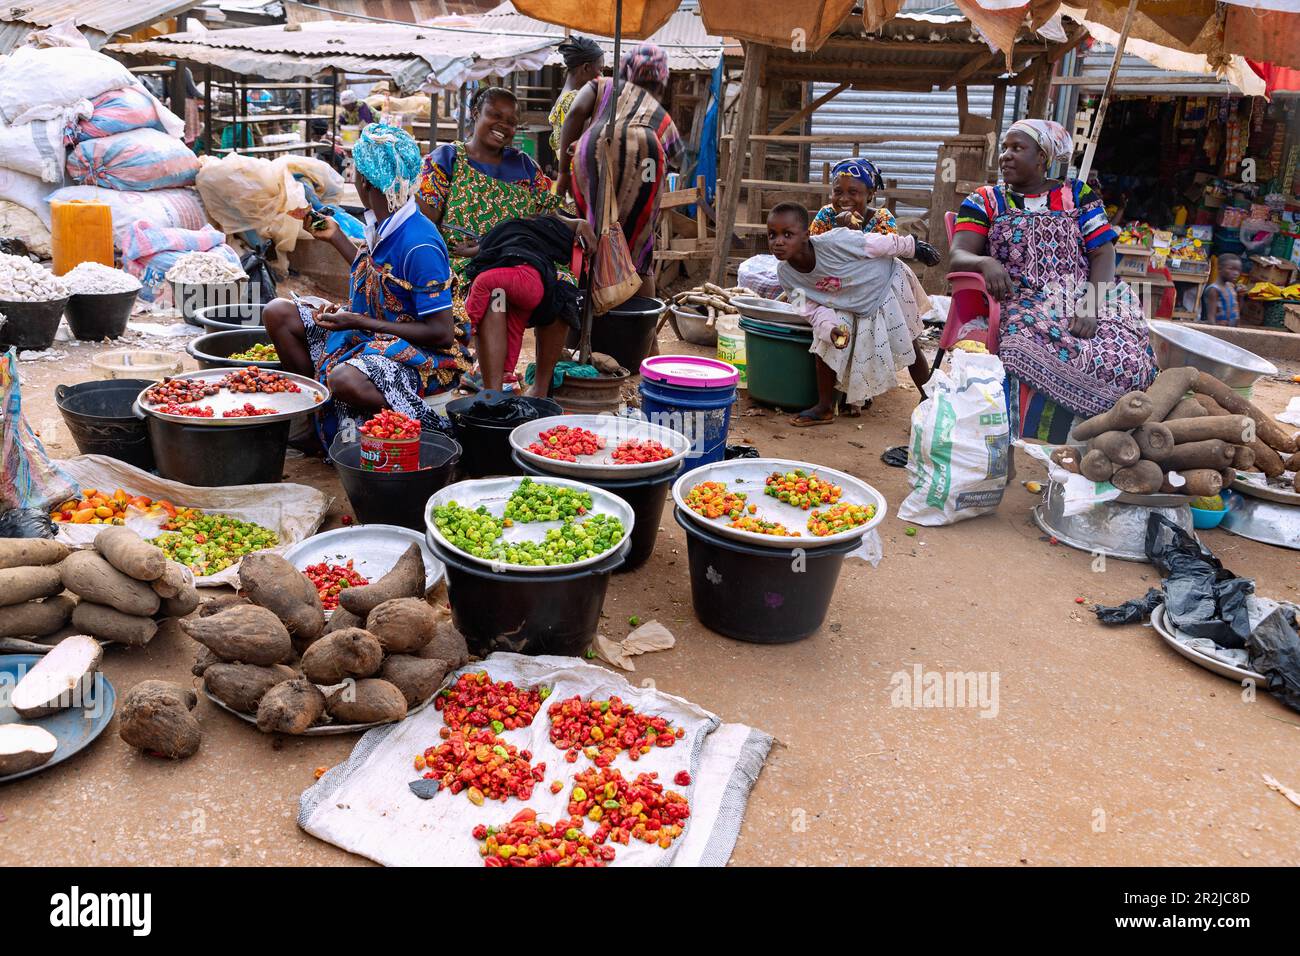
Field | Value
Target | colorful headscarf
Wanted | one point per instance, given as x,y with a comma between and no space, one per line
389,159
648,63
863,170
1052,138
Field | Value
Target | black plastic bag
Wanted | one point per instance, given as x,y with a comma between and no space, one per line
26,523
497,408
1274,649
741,451
1131,612
1202,597
261,281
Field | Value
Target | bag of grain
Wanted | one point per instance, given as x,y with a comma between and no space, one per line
138,160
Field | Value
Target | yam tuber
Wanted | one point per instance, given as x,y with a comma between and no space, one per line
402,625
1212,453
30,552
1292,463
87,575
110,624
1154,440
1143,478
131,554
203,660
1095,466
1067,456
24,746
1229,476
416,677
1174,484
1187,408
36,618
1270,431
1210,406
1236,429
348,653
406,579
1201,482
29,584
1119,447
218,604
156,718
273,583
342,618
242,686
1169,388
245,633
1266,459
174,579
448,644
62,678
290,707
185,601
1243,457
1130,411
365,702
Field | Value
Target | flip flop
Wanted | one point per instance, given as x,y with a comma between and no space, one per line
807,421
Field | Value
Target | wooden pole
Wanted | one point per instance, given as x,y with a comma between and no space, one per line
1095,133
755,59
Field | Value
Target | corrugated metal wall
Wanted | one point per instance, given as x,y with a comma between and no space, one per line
1097,60
879,113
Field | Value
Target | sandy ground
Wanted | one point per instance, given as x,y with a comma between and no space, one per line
1105,746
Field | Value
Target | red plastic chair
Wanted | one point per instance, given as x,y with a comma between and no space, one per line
970,301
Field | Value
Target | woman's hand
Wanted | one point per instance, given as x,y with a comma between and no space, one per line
563,184
332,318
465,249
849,219
1083,326
996,278
323,228
585,233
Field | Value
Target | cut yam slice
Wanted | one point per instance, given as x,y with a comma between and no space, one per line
60,680
24,746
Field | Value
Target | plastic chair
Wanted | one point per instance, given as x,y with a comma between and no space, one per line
970,301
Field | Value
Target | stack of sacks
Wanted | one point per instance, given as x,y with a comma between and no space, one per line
148,251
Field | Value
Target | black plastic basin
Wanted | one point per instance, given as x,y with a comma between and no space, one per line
218,456
101,420
395,497
31,325
486,443
95,317
214,349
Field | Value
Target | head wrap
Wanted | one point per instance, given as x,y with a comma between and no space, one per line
1051,138
648,63
579,50
389,159
863,170
347,97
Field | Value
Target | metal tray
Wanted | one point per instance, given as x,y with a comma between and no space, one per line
74,727
749,474
768,310
1222,668
1281,495
614,429
494,492
287,404
1115,528
1263,520
329,730
373,548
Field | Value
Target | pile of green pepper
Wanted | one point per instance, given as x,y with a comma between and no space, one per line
207,543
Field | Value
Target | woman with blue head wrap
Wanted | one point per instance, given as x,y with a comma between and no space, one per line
397,342
853,189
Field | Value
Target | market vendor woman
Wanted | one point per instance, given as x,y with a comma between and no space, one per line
1072,339
397,342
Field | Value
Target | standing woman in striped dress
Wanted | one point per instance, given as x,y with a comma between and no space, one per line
645,144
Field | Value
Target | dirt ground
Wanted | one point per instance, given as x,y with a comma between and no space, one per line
1105,747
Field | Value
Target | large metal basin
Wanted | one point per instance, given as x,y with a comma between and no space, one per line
1117,529
1176,345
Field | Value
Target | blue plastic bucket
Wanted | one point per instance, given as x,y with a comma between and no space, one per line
692,395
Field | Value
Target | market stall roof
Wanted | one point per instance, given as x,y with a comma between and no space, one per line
689,46
1149,69
417,58
98,20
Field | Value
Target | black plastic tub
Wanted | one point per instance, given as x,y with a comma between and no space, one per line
100,417
214,349
525,612
224,318
486,444
95,317
645,496
760,595
398,497
218,456
625,333
31,325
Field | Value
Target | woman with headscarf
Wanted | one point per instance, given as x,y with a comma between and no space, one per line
1072,339
645,143
354,111
397,342
584,60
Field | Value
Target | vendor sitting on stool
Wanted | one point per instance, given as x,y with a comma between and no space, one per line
515,286
398,343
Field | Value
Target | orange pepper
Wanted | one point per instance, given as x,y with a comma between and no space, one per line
103,511
83,516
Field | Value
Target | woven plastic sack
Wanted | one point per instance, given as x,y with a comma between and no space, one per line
28,479
960,444
148,251
138,160
119,111
35,149
36,84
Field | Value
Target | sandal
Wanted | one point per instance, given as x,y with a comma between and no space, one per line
804,420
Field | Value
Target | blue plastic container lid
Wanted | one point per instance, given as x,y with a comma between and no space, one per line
689,371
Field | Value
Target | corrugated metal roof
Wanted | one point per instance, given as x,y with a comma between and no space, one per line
688,45
1096,66
97,20
406,11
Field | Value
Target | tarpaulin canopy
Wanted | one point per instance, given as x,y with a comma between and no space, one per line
417,58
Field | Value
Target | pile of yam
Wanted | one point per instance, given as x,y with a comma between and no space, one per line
711,301
1166,441
270,653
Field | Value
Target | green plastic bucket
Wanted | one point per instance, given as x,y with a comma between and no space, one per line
781,370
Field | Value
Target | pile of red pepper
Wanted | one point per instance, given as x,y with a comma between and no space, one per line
390,424
635,451
526,842
563,443
193,411
475,700
247,410
482,765
637,810
601,729
330,579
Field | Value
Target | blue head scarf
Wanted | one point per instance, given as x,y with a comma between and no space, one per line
389,159
863,170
